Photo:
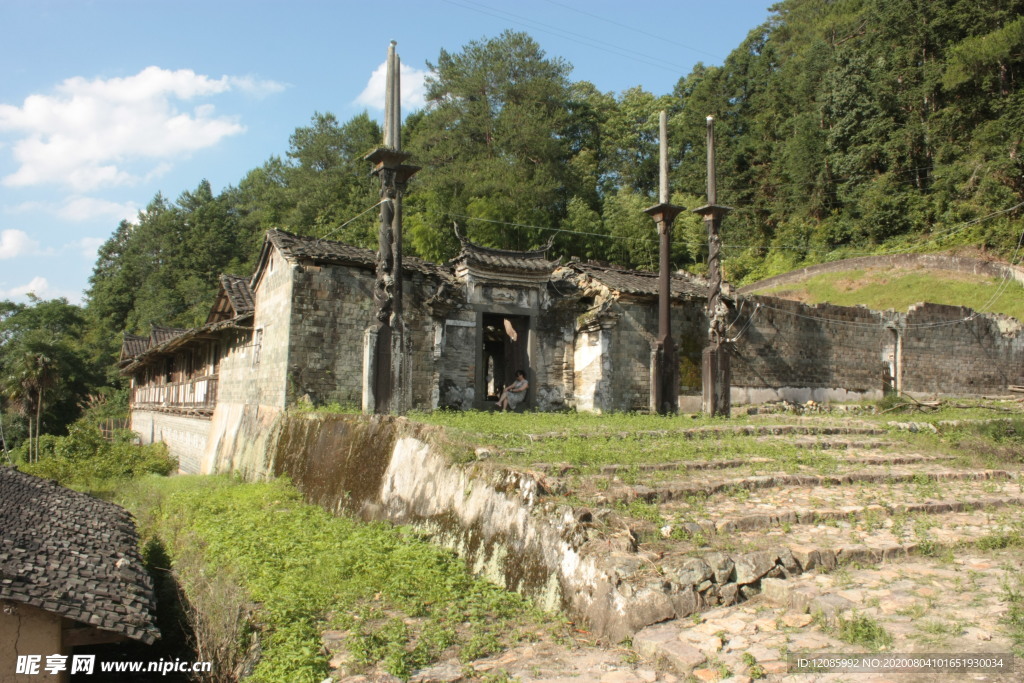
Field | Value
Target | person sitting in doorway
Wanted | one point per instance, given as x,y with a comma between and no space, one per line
514,393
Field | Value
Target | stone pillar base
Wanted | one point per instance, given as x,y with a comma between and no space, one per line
717,379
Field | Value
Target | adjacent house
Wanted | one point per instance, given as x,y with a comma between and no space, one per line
70,575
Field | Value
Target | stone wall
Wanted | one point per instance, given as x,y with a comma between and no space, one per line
186,437
331,308
630,341
270,353
799,352
386,468
950,350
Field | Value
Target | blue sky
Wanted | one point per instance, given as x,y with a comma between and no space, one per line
104,103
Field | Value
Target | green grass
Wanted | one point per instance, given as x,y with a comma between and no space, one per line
881,290
863,631
403,601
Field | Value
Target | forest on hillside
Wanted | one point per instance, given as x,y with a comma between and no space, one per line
844,127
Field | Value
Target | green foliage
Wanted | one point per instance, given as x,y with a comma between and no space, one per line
403,601
84,459
46,365
883,290
863,631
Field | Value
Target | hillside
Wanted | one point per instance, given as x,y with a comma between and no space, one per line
882,286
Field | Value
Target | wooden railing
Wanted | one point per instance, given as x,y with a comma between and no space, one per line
198,393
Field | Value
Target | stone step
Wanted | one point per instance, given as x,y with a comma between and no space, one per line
730,431
564,468
662,493
667,578
842,445
778,508
840,542
920,606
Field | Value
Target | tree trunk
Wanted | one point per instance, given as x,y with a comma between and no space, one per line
39,420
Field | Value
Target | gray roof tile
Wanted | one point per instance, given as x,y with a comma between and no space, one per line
73,555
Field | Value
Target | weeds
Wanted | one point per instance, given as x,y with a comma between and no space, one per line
864,631
403,601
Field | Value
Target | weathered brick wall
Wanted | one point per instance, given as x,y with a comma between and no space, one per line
262,364
790,344
234,383
630,349
457,362
948,350
551,361
332,308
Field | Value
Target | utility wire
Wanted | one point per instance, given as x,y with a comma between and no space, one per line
569,35
645,33
346,223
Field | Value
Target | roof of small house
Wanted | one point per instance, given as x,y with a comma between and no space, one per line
132,345
234,299
70,554
328,251
638,282
532,262
239,293
160,334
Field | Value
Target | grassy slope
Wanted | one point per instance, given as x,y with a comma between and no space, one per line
884,289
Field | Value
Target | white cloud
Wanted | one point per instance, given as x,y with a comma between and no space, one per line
89,208
41,287
82,208
88,246
414,88
93,133
16,243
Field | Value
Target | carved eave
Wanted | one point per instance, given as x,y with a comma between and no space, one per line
502,267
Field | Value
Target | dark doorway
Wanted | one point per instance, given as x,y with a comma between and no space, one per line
505,350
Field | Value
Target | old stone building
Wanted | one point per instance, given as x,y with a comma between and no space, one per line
297,331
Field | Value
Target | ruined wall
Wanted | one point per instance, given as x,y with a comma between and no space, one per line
186,437
630,341
949,350
332,308
551,361
456,360
799,352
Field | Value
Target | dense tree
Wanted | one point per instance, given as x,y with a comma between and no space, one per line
46,364
492,145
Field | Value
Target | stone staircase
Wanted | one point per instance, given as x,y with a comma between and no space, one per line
724,567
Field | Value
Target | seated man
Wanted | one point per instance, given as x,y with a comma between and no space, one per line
514,393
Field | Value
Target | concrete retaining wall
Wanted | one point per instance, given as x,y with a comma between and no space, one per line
186,437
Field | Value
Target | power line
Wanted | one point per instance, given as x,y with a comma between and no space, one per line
643,32
569,35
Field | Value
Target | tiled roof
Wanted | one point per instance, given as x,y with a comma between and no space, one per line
133,345
504,260
639,282
328,251
73,555
239,293
164,334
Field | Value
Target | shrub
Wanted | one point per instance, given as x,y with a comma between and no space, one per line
84,458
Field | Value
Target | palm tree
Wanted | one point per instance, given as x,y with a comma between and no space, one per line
32,371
